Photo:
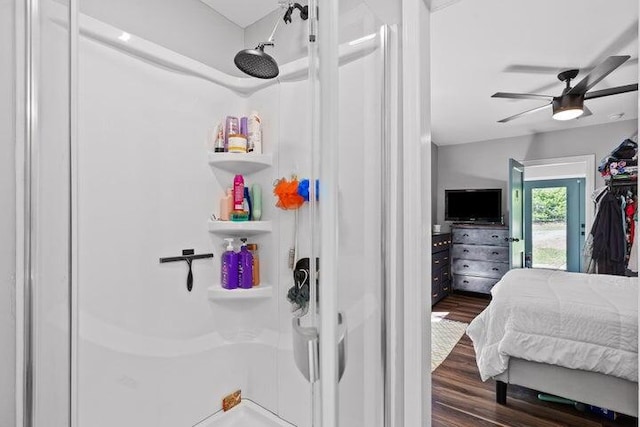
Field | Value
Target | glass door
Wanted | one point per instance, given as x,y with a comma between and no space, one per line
554,222
516,214
352,214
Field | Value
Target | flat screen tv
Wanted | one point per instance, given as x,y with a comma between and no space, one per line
477,205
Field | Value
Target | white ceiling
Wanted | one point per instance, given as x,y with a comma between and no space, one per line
482,47
243,12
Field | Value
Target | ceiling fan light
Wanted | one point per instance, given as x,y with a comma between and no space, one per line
567,107
568,114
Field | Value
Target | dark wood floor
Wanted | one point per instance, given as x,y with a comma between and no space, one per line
461,399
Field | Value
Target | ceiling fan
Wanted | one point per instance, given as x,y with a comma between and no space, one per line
570,104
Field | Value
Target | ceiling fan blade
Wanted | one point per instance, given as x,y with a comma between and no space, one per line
524,113
599,72
585,112
521,96
611,91
533,69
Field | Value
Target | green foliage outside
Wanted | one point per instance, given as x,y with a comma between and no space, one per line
549,204
549,257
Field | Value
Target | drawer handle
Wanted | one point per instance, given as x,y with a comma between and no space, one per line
465,235
435,244
446,258
446,289
439,243
495,253
465,266
435,295
465,251
465,281
495,269
495,236
436,262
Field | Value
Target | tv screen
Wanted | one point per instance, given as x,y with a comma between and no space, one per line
483,205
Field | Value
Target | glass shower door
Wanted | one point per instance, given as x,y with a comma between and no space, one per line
351,164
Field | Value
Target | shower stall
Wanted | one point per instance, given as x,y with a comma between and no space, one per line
121,105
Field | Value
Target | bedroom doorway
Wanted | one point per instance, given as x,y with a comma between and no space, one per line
554,223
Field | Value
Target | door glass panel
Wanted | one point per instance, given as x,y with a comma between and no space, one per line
549,227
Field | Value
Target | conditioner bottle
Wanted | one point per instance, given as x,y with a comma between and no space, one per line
246,266
229,269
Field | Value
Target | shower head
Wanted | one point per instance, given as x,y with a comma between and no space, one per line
257,63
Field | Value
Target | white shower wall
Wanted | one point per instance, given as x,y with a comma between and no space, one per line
151,353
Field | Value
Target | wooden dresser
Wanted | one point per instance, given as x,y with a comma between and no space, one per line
480,256
440,266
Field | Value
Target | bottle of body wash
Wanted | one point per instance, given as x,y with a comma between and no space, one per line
229,269
226,205
238,193
245,271
254,130
256,199
253,248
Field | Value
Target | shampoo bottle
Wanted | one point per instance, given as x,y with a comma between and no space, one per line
218,146
224,208
229,203
253,248
229,269
247,202
254,129
245,271
238,193
256,199
226,205
231,127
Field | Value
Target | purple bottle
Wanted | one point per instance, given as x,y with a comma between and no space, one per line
246,266
229,270
244,129
231,127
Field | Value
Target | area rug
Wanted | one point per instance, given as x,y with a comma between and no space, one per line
445,334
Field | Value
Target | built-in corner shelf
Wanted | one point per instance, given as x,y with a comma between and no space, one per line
239,163
239,228
218,293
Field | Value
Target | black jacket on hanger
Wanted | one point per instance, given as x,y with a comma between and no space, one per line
608,237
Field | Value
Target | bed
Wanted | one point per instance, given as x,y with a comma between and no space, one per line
573,335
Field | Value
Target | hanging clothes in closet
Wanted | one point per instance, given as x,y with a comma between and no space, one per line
611,247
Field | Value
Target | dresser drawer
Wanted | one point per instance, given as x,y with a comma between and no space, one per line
481,236
446,287
473,284
439,259
440,242
479,268
480,252
436,292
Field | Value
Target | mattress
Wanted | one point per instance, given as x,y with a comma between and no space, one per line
573,320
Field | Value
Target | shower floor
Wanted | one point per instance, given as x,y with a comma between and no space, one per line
246,414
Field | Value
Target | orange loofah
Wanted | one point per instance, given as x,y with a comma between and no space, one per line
287,193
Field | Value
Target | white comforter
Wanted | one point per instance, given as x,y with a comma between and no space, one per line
575,320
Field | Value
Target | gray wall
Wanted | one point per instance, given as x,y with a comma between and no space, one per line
7,217
485,164
434,183
188,27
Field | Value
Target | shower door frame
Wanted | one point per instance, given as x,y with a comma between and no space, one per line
391,248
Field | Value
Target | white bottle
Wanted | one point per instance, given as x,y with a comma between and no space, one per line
255,133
